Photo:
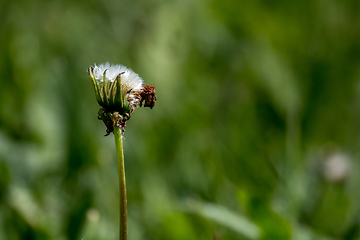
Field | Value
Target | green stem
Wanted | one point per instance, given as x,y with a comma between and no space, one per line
122,183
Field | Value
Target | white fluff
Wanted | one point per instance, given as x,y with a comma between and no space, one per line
130,81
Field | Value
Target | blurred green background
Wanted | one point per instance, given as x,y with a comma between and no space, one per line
255,134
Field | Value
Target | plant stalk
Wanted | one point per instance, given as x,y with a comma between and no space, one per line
122,183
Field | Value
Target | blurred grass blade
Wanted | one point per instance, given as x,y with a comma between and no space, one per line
225,217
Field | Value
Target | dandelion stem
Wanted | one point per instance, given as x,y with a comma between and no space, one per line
122,183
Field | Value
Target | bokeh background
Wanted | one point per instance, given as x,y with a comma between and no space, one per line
255,134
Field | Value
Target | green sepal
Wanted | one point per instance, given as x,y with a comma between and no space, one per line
96,85
112,91
118,95
126,105
104,97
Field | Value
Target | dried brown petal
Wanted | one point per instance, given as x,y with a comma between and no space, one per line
148,95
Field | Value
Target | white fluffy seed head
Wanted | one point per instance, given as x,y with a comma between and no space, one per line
130,81
108,79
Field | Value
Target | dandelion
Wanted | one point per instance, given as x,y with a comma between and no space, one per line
119,91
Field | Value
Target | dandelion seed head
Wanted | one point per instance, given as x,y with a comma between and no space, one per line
119,90
129,79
